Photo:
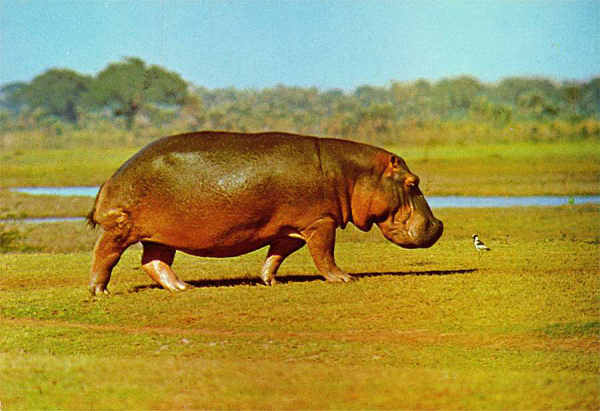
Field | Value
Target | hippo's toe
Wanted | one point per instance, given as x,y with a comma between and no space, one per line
339,277
98,290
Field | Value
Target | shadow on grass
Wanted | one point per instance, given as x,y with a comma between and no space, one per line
300,278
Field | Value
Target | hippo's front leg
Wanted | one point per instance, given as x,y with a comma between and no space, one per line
320,238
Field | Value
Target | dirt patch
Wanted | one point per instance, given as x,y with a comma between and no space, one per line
418,337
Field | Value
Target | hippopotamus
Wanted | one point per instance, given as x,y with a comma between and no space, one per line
223,194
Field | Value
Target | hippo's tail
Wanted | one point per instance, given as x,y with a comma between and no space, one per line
90,217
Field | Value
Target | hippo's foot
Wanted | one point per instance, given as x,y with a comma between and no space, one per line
180,286
338,277
98,289
278,251
156,261
269,281
162,273
176,286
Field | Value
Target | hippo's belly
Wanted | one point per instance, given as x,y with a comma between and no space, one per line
212,221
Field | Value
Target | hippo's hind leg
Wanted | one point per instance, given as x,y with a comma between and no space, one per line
156,261
278,251
320,238
107,252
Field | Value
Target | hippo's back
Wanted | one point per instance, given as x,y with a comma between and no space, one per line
194,179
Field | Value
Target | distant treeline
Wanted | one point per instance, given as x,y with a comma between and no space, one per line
131,95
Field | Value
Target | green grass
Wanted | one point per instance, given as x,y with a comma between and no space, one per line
20,205
82,166
507,169
567,168
437,328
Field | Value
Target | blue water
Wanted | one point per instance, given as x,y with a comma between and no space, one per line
434,202
498,201
59,191
39,220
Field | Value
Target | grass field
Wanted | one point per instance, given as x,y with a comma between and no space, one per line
507,169
517,328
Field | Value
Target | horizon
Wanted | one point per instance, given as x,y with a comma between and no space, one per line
328,45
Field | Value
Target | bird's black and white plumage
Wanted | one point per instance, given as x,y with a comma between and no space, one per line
479,246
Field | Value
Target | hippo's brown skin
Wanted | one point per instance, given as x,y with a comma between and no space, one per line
224,194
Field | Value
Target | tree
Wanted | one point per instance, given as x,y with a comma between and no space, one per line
11,96
413,99
456,94
128,87
368,95
511,89
536,105
484,110
589,102
58,92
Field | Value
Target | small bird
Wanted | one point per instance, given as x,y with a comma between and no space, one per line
479,246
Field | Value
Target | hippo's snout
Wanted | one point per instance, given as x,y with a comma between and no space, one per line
428,236
418,232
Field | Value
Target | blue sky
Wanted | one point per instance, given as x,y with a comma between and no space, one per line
328,44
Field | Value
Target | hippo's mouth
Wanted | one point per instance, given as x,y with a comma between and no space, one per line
413,225
413,234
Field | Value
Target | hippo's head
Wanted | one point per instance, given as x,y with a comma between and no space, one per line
391,198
